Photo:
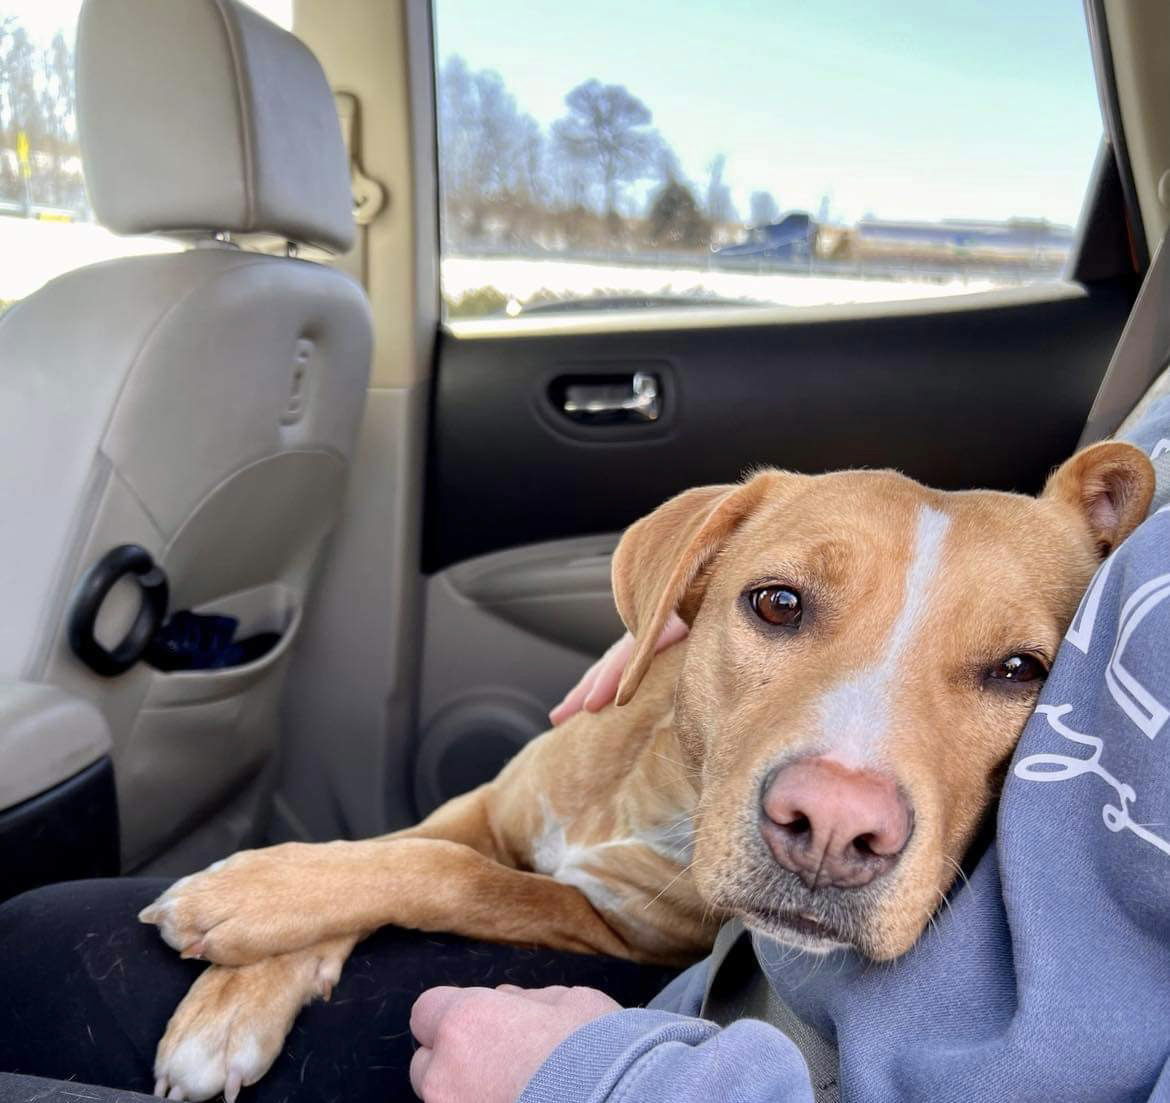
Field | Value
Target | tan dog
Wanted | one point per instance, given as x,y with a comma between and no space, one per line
816,758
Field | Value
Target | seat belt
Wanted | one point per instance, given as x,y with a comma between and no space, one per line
1141,354
737,988
369,196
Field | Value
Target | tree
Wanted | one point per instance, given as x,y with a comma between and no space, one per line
530,167
504,178
607,135
22,106
674,219
720,208
491,154
61,174
765,210
9,178
666,164
38,99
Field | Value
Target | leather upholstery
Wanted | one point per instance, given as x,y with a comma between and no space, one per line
171,372
204,405
202,116
46,735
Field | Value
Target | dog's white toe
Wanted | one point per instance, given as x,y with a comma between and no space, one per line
216,1057
232,1024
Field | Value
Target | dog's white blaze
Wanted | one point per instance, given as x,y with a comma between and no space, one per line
855,713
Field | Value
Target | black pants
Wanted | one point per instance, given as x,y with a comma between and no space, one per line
86,991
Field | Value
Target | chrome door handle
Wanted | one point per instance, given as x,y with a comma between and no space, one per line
597,403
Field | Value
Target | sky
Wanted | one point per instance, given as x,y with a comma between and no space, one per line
906,109
924,109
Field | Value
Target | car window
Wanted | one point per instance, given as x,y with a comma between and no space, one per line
612,155
46,224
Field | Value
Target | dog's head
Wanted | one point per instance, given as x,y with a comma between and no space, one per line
864,653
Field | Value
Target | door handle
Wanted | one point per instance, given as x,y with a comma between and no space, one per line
635,399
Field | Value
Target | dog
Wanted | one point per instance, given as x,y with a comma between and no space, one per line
816,758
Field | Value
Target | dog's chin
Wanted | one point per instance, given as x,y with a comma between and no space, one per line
800,931
777,904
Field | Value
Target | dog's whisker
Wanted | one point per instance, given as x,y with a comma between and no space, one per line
687,767
958,870
669,884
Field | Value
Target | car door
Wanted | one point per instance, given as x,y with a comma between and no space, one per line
938,290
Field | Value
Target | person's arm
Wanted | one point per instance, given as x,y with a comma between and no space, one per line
598,685
646,1056
575,1045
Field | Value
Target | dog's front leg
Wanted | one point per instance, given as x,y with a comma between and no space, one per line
265,902
451,873
231,1025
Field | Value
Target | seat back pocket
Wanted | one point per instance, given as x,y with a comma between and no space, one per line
201,734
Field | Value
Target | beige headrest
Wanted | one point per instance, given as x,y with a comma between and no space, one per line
202,116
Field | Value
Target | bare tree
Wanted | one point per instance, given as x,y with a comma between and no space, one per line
666,164
720,208
607,135
9,176
38,100
504,179
61,177
764,208
490,154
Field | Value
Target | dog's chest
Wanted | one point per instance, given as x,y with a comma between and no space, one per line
611,872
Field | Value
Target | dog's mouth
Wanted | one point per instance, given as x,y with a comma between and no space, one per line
778,905
798,928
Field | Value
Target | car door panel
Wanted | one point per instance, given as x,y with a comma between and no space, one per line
959,396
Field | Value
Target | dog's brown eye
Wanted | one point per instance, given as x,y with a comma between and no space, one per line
777,605
1019,668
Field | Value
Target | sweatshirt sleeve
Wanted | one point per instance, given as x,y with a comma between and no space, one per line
649,1056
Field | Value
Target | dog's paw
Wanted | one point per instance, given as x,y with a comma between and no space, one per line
246,908
231,1025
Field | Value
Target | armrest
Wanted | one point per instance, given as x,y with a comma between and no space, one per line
47,735
560,590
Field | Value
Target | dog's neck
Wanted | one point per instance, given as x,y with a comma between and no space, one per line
653,789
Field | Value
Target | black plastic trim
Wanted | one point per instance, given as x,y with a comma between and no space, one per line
1106,76
993,397
64,834
126,560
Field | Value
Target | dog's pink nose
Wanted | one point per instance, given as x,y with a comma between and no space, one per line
831,825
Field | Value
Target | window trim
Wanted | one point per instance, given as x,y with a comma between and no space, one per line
423,64
763,317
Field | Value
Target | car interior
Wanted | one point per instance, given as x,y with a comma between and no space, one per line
301,537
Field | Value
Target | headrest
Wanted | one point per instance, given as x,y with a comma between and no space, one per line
201,116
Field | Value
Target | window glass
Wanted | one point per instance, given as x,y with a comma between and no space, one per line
46,225
617,155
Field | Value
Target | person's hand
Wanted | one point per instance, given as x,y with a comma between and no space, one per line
599,685
485,1044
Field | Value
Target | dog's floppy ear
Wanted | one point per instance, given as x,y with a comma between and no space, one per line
1110,485
660,558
